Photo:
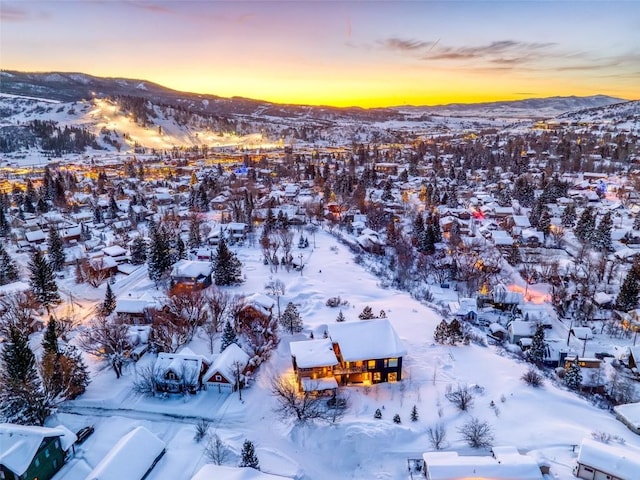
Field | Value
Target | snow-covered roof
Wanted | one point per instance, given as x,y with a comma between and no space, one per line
522,328
366,340
209,471
313,353
130,458
130,305
20,443
318,384
630,412
582,333
506,464
184,363
114,251
224,363
191,269
35,235
617,460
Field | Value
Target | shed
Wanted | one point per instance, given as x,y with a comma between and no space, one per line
629,414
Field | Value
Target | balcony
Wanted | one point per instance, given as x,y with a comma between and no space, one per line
344,370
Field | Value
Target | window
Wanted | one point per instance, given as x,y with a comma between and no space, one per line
377,377
46,452
171,376
392,377
37,462
393,362
371,365
218,378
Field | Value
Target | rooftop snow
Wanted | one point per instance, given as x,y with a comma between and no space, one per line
366,340
622,462
313,353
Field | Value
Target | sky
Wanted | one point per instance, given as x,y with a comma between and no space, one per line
364,53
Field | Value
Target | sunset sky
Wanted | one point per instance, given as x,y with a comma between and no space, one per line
366,53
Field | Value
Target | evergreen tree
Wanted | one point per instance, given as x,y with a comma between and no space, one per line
138,251
514,257
56,250
340,317
290,319
249,458
396,418
228,336
636,221
79,377
627,298
42,281
586,225
378,414
573,376
22,398
195,239
5,228
50,337
366,314
536,351
569,216
601,239
159,256
227,267
441,333
414,414
544,222
8,268
455,332
109,303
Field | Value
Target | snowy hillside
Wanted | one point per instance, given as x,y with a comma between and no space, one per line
623,115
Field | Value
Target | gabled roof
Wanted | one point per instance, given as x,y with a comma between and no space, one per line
366,340
313,353
20,443
210,471
616,460
191,268
224,363
184,363
130,458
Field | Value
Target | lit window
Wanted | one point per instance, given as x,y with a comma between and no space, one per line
393,362
377,377
371,364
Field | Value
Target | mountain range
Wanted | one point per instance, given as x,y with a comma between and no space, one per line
70,87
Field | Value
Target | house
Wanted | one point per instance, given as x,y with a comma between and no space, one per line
132,457
30,452
363,352
180,372
258,310
598,461
191,274
629,414
368,351
633,360
465,309
592,377
505,463
519,329
222,375
134,310
313,362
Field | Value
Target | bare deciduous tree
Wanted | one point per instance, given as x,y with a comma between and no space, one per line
216,450
477,434
107,340
437,436
302,406
461,397
19,311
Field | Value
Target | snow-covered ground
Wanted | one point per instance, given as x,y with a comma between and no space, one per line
546,422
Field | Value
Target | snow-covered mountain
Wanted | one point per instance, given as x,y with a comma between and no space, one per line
623,115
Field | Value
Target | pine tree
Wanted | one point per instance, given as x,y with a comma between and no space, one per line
227,267
573,376
291,319
42,281
50,337
536,351
601,239
5,228
514,257
441,333
56,250
396,418
586,225
636,221
366,314
22,399
569,216
340,317
79,377
228,336
249,458
414,414
627,298
159,255
195,239
544,222
8,268
455,332
109,303
138,251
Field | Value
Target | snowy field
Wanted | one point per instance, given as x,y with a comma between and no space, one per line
545,422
